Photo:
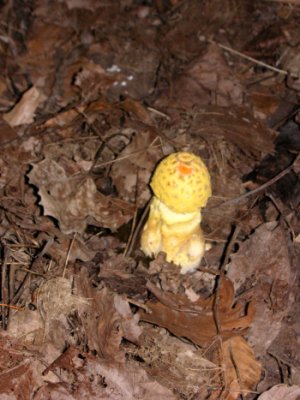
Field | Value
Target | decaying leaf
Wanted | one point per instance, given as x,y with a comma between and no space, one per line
195,320
74,200
91,378
132,171
236,125
107,320
262,264
207,80
176,364
241,370
55,300
281,392
24,111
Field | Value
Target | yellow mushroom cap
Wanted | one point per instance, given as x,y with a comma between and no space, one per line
182,182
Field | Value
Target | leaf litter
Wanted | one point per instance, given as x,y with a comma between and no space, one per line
93,96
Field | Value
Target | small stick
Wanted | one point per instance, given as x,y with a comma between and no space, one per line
254,191
216,312
68,254
138,228
282,215
237,53
10,306
133,225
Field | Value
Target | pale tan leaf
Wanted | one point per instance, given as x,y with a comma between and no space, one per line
280,392
241,370
24,111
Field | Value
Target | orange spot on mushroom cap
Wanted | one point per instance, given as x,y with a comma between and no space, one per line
185,169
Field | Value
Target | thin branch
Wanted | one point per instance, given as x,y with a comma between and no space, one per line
237,53
254,191
216,308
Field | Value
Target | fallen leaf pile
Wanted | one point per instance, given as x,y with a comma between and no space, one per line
92,96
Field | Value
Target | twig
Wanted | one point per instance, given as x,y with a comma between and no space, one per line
237,53
254,191
133,225
10,306
138,228
216,312
282,215
68,254
127,155
4,288
160,113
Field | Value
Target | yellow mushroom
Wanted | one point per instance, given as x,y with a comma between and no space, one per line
181,186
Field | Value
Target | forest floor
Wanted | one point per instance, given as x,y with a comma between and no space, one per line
93,95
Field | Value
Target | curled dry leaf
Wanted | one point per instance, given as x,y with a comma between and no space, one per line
131,172
7,133
208,80
107,320
241,370
280,392
176,364
58,249
55,300
24,111
196,320
236,125
262,264
74,200
94,379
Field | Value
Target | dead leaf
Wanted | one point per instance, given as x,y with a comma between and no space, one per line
7,133
237,125
137,109
240,368
59,249
132,170
55,300
24,111
261,268
176,364
107,320
281,392
208,80
195,320
96,379
74,200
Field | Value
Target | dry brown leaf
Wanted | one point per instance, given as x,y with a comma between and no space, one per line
241,370
237,125
133,168
21,373
107,320
24,110
97,379
58,249
55,300
176,364
196,321
137,109
208,80
7,133
281,392
19,382
74,200
261,268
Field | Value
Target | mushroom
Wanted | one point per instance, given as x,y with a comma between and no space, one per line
181,186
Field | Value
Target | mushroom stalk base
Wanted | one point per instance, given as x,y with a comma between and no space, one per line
179,235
